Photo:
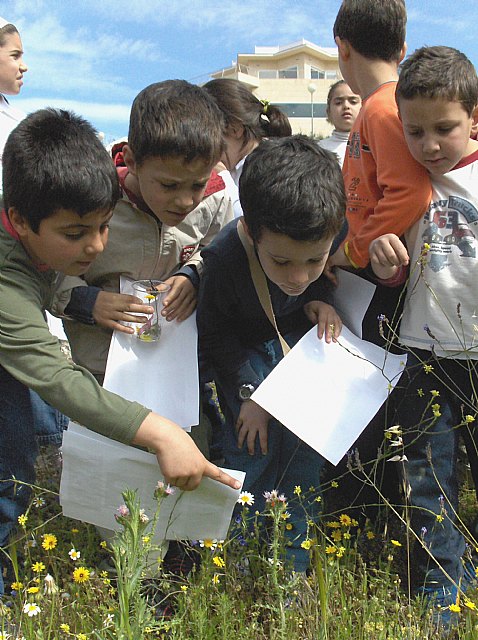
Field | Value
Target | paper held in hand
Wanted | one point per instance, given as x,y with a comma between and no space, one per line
96,470
327,393
162,375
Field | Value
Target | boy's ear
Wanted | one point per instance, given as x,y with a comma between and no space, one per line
403,52
474,118
246,229
18,222
343,47
235,131
128,157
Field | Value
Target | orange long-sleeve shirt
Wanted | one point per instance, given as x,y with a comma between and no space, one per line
387,190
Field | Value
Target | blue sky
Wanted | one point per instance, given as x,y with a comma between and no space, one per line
94,56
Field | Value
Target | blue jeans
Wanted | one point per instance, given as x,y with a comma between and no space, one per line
288,463
18,452
49,422
431,446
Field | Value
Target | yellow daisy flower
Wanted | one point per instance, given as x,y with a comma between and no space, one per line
81,574
49,541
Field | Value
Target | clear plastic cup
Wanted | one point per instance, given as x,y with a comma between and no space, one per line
152,293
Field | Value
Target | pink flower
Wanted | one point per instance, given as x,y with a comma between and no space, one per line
123,511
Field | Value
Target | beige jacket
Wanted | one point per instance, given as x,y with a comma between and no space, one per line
139,247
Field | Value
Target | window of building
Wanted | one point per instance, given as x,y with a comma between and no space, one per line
290,72
267,73
316,74
331,75
303,110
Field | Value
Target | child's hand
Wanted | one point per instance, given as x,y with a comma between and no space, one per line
252,422
327,319
387,254
113,308
180,461
181,300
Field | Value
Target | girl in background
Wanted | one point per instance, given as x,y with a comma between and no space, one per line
248,120
343,106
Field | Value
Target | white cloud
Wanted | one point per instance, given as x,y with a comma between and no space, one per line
256,20
77,60
94,111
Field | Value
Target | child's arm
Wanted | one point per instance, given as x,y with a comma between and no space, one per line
326,318
33,356
387,255
180,461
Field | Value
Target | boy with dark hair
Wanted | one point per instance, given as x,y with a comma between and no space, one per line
437,96
386,189
49,423
162,218
59,190
293,200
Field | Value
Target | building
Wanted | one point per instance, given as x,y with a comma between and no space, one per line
296,77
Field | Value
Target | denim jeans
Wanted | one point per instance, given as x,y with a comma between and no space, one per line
49,422
430,436
18,452
289,461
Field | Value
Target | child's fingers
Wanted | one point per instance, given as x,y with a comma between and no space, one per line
251,441
211,471
263,441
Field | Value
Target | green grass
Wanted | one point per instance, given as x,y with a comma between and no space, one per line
357,588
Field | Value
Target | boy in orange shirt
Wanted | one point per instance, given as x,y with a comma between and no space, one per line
386,188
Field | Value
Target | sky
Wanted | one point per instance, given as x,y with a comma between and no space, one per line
94,56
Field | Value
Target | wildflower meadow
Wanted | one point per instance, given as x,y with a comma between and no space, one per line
69,583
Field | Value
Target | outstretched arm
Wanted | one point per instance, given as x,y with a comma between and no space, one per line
180,461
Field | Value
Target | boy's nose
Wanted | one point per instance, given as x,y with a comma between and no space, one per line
298,276
23,67
96,244
430,144
184,201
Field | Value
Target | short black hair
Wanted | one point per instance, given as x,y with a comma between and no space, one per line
175,119
439,72
374,28
294,187
54,160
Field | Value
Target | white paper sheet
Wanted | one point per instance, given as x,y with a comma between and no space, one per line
56,326
163,375
351,299
328,393
96,470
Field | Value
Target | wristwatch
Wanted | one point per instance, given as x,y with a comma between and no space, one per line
246,391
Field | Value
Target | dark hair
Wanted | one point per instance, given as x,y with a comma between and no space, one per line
374,28
175,119
439,72
54,160
294,187
331,92
241,107
6,30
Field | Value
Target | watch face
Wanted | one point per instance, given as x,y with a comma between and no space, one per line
246,391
